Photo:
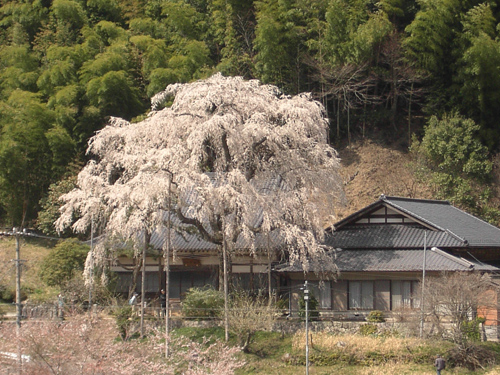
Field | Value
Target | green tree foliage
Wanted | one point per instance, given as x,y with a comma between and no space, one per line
431,35
233,32
63,262
284,38
86,60
49,205
19,70
479,72
33,150
21,20
457,163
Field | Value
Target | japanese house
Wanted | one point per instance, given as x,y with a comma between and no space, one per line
378,250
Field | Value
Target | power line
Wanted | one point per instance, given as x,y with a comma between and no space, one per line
26,233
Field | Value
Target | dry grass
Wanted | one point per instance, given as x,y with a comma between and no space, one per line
366,351
370,169
357,344
367,355
32,252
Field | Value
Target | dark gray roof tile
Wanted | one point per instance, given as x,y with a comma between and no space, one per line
389,236
443,215
400,260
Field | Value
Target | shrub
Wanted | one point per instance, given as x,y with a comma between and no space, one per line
471,356
63,262
7,294
76,291
368,329
470,329
248,315
125,321
376,316
282,304
203,303
313,307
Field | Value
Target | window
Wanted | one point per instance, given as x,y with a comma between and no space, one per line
361,295
325,295
322,291
404,294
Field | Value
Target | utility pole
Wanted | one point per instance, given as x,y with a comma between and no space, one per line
91,273
422,311
226,288
19,307
167,269
147,238
306,299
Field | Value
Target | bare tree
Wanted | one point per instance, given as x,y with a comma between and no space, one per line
248,315
403,79
351,86
456,298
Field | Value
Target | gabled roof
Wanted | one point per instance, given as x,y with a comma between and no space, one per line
436,215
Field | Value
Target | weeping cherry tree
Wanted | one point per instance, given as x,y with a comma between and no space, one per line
243,159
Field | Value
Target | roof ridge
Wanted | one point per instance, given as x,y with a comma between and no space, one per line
457,236
391,197
422,219
461,261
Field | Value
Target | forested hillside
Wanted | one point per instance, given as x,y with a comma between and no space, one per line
383,69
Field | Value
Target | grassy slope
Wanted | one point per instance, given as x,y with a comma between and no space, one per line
370,169
32,252
273,353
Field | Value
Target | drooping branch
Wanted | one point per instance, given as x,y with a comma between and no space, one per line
225,140
199,226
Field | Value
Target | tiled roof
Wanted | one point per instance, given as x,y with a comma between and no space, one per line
403,260
400,260
390,237
443,215
192,242
439,215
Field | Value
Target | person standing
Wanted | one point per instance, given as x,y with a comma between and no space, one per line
440,364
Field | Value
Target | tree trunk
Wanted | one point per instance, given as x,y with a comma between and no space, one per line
221,268
246,343
394,91
338,119
135,275
226,292
409,116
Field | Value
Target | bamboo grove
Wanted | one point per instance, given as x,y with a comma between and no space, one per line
384,66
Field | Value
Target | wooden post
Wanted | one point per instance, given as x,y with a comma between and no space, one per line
147,237
226,291
18,302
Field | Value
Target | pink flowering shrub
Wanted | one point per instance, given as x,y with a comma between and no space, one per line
79,346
